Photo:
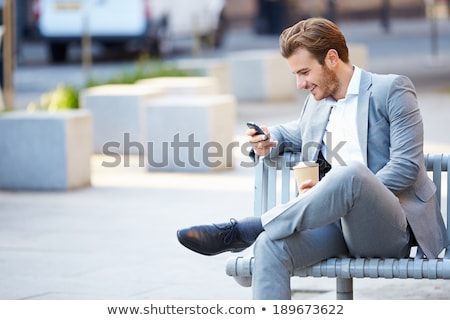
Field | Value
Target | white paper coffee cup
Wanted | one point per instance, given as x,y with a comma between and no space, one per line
305,171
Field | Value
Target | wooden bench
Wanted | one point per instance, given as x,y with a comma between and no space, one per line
274,183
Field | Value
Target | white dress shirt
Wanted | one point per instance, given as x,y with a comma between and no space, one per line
341,132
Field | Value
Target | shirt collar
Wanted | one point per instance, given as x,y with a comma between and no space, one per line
353,86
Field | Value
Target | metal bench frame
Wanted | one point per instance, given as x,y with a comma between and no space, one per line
274,182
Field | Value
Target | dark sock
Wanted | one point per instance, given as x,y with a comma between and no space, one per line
249,228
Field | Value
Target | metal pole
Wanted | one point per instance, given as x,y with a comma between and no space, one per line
8,54
86,44
385,15
344,288
432,15
434,31
332,10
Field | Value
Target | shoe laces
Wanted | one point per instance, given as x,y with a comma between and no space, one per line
230,229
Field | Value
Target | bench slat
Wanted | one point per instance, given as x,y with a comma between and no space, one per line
358,268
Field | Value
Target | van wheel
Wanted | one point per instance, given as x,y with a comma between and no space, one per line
58,52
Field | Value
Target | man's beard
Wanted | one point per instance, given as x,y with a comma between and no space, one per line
329,82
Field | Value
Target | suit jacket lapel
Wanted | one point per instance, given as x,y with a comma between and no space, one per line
362,112
312,138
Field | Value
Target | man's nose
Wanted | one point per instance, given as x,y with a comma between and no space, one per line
301,82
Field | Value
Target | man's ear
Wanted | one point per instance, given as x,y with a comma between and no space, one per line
332,58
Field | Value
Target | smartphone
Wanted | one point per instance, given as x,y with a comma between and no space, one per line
258,129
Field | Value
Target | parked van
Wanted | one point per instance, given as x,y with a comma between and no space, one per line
152,25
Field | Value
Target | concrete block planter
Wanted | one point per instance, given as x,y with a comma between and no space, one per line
116,111
45,151
191,133
261,75
359,55
182,85
216,68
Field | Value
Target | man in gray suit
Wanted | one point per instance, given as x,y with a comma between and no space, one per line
376,201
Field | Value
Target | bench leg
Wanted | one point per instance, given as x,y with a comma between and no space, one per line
344,288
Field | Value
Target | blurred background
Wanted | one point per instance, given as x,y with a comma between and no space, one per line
61,32
57,23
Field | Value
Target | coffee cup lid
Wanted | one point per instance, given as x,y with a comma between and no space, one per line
304,164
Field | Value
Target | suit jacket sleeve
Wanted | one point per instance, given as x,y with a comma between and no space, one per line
403,120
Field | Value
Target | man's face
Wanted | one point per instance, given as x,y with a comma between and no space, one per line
318,79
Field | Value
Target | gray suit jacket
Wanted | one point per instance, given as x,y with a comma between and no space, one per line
390,134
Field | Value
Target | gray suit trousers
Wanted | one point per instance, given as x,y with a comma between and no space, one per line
348,213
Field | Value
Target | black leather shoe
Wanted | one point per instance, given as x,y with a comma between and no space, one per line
212,239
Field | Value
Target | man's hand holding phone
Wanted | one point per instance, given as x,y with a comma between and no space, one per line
259,137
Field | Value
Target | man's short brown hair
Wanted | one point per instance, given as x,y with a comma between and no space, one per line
317,35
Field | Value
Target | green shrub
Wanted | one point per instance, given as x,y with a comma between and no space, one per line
66,96
61,98
143,69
